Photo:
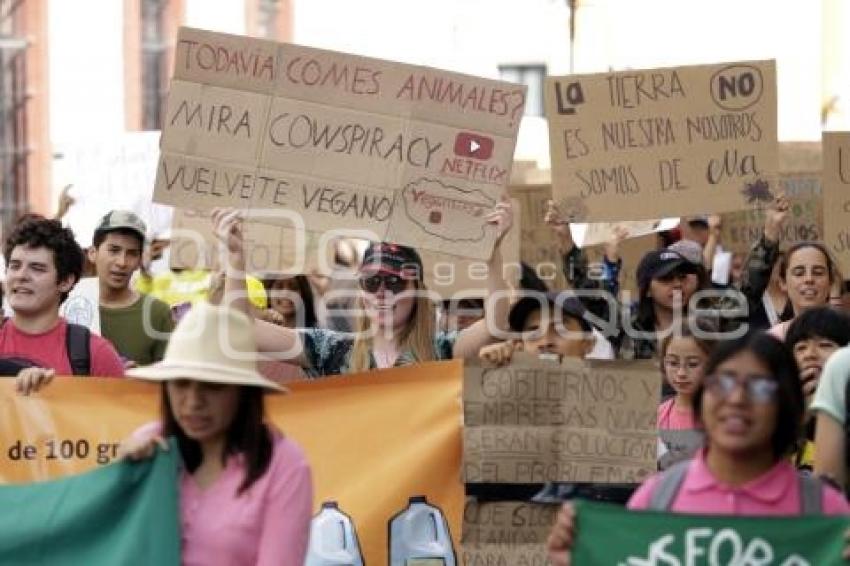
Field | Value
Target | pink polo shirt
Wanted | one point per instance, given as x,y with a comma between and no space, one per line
669,417
777,492
267,525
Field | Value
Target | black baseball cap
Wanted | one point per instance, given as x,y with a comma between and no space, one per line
530,302
395,259
659,263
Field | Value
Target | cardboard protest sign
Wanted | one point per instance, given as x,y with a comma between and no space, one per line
836,196
268,247
644,144
679,538
275,248
797,157
415,155
506,532
533,422
453,277
740,229
631,252
596,233
538,244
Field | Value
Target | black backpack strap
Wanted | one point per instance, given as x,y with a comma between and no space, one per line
668,485
811,495
77,340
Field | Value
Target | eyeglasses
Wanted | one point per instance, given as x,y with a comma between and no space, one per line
759,389
392,283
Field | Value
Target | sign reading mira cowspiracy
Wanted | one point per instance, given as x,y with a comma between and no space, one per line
646,144
414,155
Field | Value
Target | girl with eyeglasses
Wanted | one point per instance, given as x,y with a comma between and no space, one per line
396,323
683,358
750,404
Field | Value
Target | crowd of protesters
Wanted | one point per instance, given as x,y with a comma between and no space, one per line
754,359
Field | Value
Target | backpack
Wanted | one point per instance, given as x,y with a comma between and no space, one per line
77,341
670,481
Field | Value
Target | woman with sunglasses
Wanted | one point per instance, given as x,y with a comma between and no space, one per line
396,323
750,405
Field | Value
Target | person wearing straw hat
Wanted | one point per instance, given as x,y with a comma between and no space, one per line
246,490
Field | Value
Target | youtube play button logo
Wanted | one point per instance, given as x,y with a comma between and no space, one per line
473,146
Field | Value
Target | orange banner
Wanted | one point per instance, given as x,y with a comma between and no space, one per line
374,440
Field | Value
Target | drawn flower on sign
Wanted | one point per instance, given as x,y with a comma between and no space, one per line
573,209
757,192
446,211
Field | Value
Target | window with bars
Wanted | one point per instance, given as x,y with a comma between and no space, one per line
14,150
154,49
531,76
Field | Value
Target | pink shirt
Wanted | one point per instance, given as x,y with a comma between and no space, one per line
671,417
777,492
49,350
779,330
267,525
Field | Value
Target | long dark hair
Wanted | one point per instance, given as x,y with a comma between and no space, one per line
304,290
248,436
779,361
645,312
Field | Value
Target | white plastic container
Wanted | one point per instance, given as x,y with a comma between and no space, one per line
419,536
333,539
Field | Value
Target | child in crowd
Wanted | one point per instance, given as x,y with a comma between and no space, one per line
684,353
813,337
543,332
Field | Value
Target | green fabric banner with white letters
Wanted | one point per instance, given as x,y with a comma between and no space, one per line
611,535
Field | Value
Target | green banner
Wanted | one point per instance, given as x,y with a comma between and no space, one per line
124,513
611,535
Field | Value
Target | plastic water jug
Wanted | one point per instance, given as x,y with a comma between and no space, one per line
419,536
333,539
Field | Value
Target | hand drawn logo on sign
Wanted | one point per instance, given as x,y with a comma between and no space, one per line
473,146
737,87
446,211
757,192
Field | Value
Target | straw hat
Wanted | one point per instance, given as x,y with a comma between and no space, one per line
211,344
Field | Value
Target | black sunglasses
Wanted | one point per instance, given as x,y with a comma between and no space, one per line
392,283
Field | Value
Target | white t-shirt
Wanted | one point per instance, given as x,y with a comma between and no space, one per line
830,395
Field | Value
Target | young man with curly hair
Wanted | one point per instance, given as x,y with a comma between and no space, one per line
43,263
